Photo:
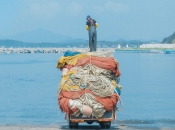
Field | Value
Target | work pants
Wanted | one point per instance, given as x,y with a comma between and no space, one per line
92,38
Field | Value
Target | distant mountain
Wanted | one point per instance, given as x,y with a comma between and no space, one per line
14,43
71,43
75,40
38,36
170,39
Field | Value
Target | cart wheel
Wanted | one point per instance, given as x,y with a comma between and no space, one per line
73,125
105,125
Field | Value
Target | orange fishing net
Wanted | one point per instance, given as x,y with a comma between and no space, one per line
64,105
102,62
108,102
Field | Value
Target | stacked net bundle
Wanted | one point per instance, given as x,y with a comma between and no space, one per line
90,83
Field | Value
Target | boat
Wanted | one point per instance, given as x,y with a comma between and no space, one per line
169,51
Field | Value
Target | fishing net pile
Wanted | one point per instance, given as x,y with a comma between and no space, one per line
89,84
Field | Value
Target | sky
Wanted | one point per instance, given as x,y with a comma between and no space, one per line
117,19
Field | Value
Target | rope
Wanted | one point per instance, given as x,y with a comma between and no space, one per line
120,102
91,78
105,54
98,110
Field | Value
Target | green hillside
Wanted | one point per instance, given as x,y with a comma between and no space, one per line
170,39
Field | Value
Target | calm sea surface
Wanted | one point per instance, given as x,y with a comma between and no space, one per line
28,89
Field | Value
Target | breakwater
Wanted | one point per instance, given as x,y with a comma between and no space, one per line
133,51
48,50
163,51
62,50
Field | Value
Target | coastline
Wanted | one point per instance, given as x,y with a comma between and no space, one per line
84,127
62,50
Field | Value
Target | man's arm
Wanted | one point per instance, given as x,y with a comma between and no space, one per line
87,26
96,24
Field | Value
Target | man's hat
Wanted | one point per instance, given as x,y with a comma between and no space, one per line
88,16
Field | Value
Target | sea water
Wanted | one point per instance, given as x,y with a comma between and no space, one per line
29,82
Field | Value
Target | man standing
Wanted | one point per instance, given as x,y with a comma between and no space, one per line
91,26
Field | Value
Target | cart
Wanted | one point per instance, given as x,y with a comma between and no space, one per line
104,121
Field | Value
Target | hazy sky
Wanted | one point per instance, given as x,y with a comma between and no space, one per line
117,19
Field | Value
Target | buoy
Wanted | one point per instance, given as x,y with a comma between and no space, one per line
87,110
65,71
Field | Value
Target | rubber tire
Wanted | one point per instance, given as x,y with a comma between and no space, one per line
105,125
73,125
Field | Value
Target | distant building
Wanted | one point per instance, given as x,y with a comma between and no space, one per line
118,46
157,46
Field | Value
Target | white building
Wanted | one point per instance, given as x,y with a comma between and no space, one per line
157,45
118,46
